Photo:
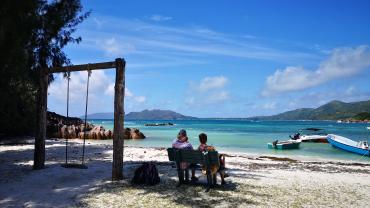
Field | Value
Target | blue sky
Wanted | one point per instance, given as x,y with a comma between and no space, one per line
221,58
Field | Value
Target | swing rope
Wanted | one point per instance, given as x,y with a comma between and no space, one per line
68,75
87,99
82,165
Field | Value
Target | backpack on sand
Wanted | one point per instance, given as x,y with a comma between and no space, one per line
146,174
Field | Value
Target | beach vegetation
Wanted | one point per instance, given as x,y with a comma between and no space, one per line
32,36
362,116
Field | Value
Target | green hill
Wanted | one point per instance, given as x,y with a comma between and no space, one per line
362,116
157,115
333,110
99,116
144,115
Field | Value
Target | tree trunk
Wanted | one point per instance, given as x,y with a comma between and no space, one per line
117,167
39,153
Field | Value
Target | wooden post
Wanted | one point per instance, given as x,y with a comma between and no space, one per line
119,94
39,154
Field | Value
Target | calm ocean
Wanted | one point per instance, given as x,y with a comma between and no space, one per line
247,136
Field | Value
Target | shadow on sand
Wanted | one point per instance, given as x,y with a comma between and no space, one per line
55,186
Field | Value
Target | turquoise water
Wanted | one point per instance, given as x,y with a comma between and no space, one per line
247,136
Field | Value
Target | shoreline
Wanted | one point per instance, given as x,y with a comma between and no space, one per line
250,155
303,158
259,181
255,156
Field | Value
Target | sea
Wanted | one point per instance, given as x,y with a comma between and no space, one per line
244,136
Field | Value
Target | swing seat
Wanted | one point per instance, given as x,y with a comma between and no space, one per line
74,165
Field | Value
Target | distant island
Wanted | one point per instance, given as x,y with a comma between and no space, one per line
109,115
145,115
334,110
157,115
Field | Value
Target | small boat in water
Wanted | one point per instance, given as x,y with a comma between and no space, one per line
314,138
310,135
289,144
358,147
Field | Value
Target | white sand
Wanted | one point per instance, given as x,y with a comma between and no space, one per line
254,181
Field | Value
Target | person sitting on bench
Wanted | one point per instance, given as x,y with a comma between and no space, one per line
205,148
181,142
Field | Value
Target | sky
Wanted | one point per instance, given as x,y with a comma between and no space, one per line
220,58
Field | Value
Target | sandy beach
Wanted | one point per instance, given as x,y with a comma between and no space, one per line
255,180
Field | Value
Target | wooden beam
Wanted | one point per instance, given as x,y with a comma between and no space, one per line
39,153
83,67
117,166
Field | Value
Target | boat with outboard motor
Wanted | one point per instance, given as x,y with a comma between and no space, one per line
281,145
313,138
307,135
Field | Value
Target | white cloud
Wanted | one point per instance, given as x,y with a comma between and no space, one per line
98,88
101,93
351,90
111,47
132,97
342,93
210,90
265,105
269,105
219,96
311,99
140,99
77,86
114,48
209,83
190,100
109,90
159,18
343,62
128,93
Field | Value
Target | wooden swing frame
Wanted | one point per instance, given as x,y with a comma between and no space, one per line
118,130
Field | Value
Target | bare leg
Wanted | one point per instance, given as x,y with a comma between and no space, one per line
193,177
222,174
187,175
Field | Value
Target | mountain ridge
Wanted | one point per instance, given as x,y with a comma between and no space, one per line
334,110
154,114
157,114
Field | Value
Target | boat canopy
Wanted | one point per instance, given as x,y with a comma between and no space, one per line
313,129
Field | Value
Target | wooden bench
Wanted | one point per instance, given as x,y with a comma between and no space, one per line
206,159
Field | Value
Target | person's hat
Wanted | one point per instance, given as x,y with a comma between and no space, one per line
182,132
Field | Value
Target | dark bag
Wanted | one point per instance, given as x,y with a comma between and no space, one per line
146,174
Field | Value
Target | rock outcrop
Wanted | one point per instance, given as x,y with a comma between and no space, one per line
71,128
133,134
59,126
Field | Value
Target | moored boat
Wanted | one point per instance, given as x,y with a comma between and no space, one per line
358,147
314,138
289,144
310,135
